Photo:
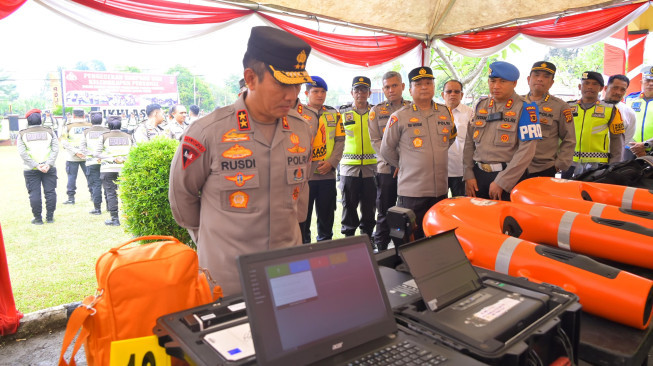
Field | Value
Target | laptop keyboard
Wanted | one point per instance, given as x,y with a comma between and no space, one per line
405,353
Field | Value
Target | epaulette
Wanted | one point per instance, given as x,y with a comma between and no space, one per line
571,101
328,107
481,99
345,107
633,94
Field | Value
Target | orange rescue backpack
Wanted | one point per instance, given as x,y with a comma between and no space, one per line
136,285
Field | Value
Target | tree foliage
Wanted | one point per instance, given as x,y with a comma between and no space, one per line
144,191
91,65
572,62
448,65
227,93
193,89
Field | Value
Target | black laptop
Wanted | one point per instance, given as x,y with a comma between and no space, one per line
325,304
457,297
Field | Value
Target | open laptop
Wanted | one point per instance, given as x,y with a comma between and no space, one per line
458,299
325,303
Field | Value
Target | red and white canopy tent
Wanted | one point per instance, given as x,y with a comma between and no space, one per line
399,26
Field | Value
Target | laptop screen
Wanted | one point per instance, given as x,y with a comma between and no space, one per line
440,268
309,302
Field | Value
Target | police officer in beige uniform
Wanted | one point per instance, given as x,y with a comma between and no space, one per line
71,140
417,140
386,178
90,141
238,173
501,139
555,151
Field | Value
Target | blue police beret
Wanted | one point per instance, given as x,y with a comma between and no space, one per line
318,82
504,70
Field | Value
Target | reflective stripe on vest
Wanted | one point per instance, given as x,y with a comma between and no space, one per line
643,118
592,135
324,138
38,141
358,146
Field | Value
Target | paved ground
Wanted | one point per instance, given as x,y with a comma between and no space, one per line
38,350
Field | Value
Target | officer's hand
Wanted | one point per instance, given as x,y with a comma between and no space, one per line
396,173
120,160
638,149
324,167
80,155
495,191
471,187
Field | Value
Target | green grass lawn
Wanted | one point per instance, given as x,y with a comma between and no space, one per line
51,264
54,264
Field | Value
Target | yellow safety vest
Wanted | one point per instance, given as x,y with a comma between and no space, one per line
358,146
593,132
329,127
644,118
38,141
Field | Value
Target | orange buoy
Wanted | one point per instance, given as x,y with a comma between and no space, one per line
530,191
620,241
610,194
604,291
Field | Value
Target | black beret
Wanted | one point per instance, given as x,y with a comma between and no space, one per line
593,76
284,54
420,73
361,80
96,117
113,118
544,66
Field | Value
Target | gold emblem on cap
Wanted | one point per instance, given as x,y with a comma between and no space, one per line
543,64
361,79
584,75
422,71
301,60
651,70
490,70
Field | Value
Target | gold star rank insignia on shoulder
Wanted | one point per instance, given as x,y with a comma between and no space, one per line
243,120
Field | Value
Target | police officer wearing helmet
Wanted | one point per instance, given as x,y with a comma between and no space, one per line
501,139
71,140
556,149
112,148
38,146
239,171
358,163
386,175
328,145
90,139
417,140
599,127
